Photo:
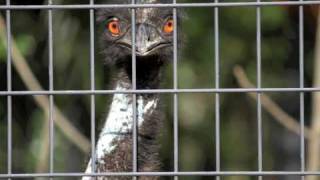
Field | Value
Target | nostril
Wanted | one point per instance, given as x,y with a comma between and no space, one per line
145,32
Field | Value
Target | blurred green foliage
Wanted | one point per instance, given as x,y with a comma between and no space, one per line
237,37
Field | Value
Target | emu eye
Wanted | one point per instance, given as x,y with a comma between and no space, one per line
168,26
114,27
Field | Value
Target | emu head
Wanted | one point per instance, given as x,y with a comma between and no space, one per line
153,30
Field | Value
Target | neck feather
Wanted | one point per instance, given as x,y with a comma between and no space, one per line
114,146
119,121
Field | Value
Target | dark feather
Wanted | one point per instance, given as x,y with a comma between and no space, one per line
149,71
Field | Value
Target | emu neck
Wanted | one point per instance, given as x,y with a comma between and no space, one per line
114,147
148,72
119,121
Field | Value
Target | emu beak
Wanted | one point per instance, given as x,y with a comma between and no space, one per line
147,39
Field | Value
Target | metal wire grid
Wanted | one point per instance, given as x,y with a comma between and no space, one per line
175,91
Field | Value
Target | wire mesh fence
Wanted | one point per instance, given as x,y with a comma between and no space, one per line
47,97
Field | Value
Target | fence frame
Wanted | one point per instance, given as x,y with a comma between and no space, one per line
91,7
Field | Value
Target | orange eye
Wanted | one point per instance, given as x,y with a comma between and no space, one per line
168,26
114,27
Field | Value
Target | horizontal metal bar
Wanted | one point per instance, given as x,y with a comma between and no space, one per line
191,173
157,91
180,5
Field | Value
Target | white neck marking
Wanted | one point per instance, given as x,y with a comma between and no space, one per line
120,120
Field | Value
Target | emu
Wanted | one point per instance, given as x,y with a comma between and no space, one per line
154,40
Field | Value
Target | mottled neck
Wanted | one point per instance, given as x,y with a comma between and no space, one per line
119,121
114,147
117,130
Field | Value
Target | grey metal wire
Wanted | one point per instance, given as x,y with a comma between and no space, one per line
175,95
168,174
175,91
92,86
301,85
217,85
178,5
9,89
134,96
259,113
51,100
160,91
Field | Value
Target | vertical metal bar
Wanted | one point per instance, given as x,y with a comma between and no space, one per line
134,87
51,113
259,113
217,85
92,87
9,88
301,75
175,86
